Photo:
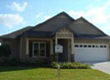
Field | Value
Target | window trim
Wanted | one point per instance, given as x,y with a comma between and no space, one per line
38,50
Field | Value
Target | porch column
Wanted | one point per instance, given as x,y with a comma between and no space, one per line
20,55
27,46
51,47
72,48
68,50
56,40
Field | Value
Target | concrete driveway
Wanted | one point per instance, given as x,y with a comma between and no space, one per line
102,66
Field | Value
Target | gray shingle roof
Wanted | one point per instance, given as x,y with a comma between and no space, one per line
83,27
54,23
38,34
80,28
47,28
17,33
93,37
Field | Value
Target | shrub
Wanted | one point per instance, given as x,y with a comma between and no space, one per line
39,62
63,65
47,62
77,65
54,64
10,62
14,62
5,51
87,66
43,62
70,65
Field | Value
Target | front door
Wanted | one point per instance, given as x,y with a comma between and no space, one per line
63,57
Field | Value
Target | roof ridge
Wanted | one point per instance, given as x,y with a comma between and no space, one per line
38,25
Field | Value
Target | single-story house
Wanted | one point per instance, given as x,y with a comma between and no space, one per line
80,39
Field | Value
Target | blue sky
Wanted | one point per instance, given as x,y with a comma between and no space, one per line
16,14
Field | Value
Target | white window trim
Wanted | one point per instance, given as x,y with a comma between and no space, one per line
38,50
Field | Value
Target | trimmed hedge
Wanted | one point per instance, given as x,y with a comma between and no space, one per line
16,62
70,65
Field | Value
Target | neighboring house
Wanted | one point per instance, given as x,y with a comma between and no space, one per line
81,40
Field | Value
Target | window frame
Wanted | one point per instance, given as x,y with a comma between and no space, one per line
33,48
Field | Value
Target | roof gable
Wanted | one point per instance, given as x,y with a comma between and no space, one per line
62,21
82,27
64,30
52,24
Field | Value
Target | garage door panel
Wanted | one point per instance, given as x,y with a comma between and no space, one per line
91,54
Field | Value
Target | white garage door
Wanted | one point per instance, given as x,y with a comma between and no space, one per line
91,52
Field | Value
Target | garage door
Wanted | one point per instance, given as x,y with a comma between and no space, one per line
91,52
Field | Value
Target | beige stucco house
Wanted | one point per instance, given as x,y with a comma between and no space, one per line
80,39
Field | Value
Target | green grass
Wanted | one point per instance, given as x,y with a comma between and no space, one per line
23,73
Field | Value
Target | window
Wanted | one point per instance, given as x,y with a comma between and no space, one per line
85,45
39,49
105,46
97,46
81,46
89,46
76,46
93,46
101,46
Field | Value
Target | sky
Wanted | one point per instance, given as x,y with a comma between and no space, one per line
17,14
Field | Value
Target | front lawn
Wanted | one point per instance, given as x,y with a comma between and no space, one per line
26,73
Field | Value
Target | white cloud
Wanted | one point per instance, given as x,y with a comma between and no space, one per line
96,14
107,4
17,7
10,20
